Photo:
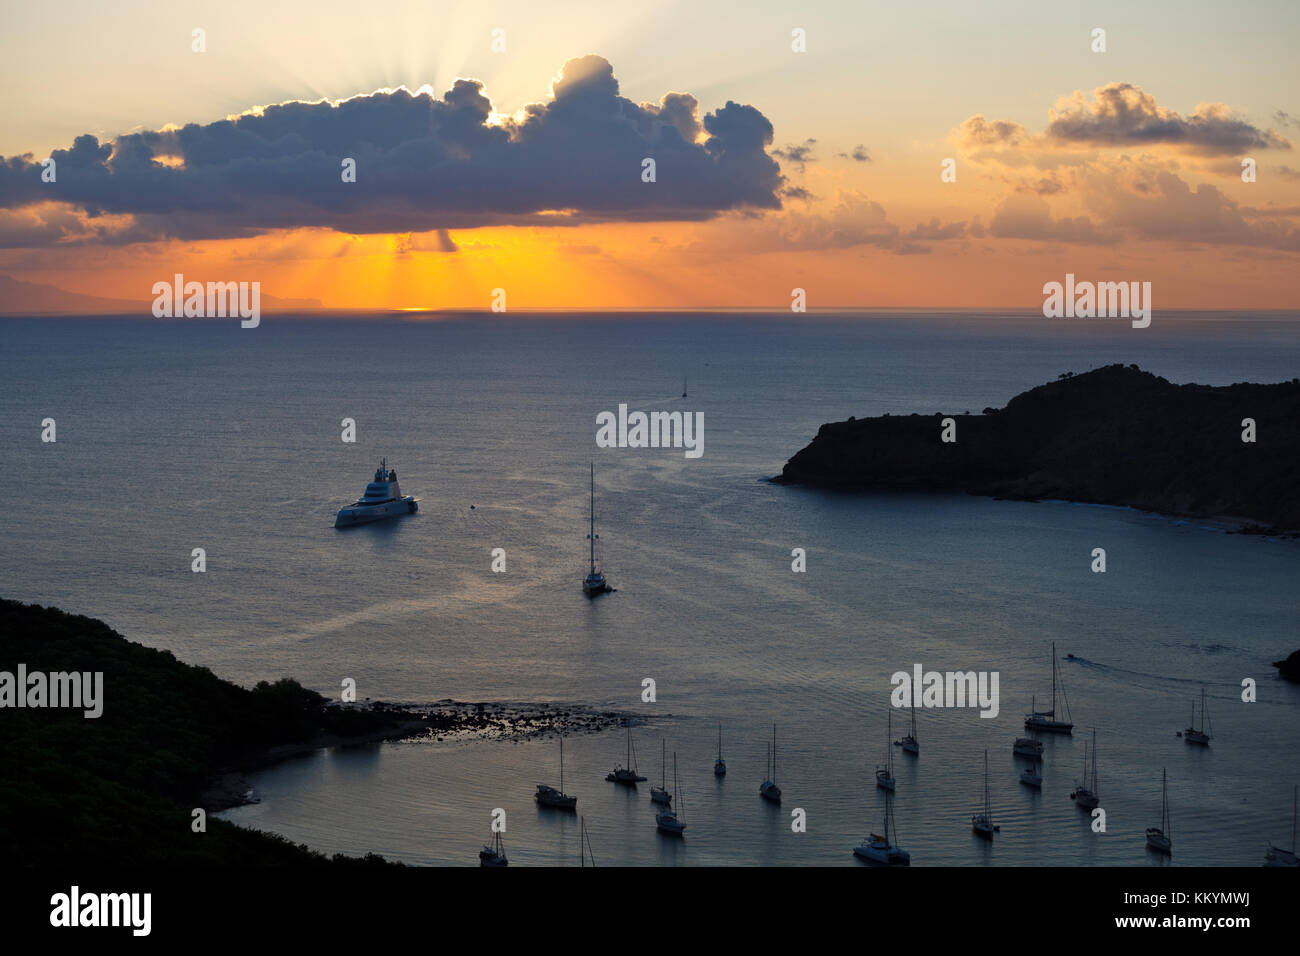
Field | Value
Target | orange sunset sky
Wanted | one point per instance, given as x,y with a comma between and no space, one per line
776,167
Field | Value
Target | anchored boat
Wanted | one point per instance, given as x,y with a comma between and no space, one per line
877,848
548,796
1045,720
1161,838
594,583
382,499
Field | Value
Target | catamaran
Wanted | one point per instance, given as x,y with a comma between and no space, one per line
382,499
1045,720
1201,735
626,775
660,794
982,823
550,797
669,821
594,583
1161,838
1275,855
885,774
719,765
908,743
494,853
1085,794
768,790
877,848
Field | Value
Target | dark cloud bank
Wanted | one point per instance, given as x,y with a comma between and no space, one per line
422,163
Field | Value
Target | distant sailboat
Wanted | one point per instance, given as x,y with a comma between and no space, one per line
584,844
594,583
1085,794
1045,720
670,821
550,797
769,790
719,765
878,848
660,793
1161,838
1028,747
626,775
909,743
982,823
683,388
885,774
1275,855
1201,735
494,853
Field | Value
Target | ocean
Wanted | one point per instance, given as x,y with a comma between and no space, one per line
176,435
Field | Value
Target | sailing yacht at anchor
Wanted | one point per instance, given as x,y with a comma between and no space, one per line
982,823
594,583
661,794
1160,838
1275,855
548,796
877,848
1045,720
626,775
909,743
1201,735
768,790
885,774
719,765
1085,794
667,820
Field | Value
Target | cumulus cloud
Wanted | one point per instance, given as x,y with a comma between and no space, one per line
422,163
797,155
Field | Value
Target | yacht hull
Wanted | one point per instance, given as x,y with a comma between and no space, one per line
364,514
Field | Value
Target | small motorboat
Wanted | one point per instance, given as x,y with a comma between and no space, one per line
383,498
1028,747
1032,778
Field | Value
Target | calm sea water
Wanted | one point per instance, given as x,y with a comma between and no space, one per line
173,436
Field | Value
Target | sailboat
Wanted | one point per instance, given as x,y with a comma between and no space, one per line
494,853
1027,746
982,823
1045,720
584,844
1030,777
908,743
768,790
877,848
667,820
594,583
1085,795
626,775
550,797
885,774
1275,855
660,793
683,388
719,765
1160,838
1201,735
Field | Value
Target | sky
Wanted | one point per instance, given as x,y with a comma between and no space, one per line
502,146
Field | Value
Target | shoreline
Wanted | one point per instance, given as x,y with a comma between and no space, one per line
231,786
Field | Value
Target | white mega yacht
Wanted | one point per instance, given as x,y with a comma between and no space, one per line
383,498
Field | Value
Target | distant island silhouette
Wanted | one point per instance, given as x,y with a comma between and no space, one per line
1116,435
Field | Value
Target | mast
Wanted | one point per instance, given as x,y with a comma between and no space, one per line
561,765
912,695
988,805
1164,802
1053,680
774,752
591,534
663,766
719,741
1093,788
